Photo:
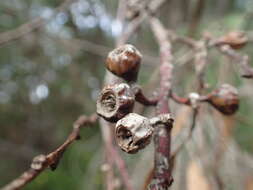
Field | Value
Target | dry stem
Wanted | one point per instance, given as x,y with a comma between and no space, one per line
42,162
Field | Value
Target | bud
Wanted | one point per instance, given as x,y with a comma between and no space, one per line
115,101
235,39
38,162
133,132
124,62
225,99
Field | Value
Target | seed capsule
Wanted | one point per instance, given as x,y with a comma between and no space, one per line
235,39
124,62
225,99
133,132
115,101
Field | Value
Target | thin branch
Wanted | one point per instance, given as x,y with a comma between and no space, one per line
200,64
179,100
95,48
135,23
197,14
31,26
42,162
162,177
112,155
241,60
187,135
141,98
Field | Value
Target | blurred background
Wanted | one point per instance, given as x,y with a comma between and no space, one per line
50,76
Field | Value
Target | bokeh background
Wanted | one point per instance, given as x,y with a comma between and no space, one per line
52,75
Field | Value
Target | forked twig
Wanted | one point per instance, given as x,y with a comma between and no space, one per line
42,162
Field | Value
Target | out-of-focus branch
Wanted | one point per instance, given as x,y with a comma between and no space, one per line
136,22
200,65
187,135
196,17
241,60
30,26
94,48
141,98
112,155
162,177
179,100
42,162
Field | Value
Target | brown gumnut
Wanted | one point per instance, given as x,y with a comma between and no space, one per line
234,39
124,62
133,132
115,101
225,99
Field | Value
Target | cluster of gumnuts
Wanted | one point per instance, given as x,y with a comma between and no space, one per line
116,102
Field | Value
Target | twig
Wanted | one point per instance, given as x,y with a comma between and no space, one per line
141,98
179,100
241,60
135,23
187,135
200,64
198,12
95,48
113,156
107,138
162,177
30,26
42,162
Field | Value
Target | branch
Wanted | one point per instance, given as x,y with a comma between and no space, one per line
42,162
196,17
135,23
186,135
113,156
141,98
179,100
200,64
38,22
162,178
241,60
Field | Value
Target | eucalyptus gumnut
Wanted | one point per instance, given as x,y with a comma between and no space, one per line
124,62
235,39
115,101
225,99
133,132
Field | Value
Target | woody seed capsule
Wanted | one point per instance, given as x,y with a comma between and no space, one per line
124,62
115,101
225,99
234,39
133,132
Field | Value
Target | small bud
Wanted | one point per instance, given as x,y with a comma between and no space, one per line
235,39
124,62
38,162
115,101
133,132
225,99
